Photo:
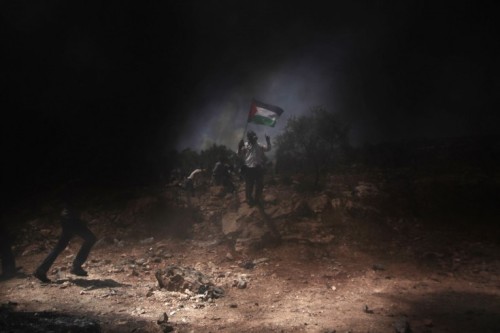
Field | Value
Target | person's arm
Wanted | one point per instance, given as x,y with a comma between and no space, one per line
268,144
215,169
241,144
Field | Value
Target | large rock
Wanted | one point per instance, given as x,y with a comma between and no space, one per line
248,227
177,278
234,222
231,223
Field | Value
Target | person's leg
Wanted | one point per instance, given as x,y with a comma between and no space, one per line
7,257
228,184
259,185
189,185
89,241
41,271
249,185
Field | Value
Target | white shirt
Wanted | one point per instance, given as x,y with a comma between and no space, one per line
253,155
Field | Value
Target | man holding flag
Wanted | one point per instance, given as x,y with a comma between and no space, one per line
252,152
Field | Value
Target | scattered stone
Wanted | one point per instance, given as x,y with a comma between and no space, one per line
33,249
260,261
138,310
150,292
378,267
157,260
163,323
134,273
319,204
65,285
366,309
240,283
365,190
102,242
247,264
149,240
163,319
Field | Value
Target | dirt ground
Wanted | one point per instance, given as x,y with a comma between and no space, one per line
429,280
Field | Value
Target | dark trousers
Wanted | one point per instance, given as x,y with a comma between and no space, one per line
226,182
70,228
189,186
6,255
254,184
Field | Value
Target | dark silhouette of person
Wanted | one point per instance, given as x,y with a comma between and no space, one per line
72,225
221,174
192,181
253,157
6,254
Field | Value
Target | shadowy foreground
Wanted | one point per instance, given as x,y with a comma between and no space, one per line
365,254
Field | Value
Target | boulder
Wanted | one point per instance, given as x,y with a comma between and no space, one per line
177,278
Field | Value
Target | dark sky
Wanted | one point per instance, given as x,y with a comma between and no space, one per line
109,86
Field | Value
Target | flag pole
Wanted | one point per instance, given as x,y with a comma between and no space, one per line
246,125
245,131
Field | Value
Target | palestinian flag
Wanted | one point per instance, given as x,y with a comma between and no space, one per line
264,114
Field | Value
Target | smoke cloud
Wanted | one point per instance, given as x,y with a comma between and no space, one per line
296,84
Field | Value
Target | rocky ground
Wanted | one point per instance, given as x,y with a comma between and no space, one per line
364,254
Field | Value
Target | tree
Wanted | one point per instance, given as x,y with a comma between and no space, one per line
211,155
187,161
312,143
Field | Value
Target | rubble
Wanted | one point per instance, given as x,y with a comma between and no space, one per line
182,279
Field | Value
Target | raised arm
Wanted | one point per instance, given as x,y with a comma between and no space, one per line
241,144
268,141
